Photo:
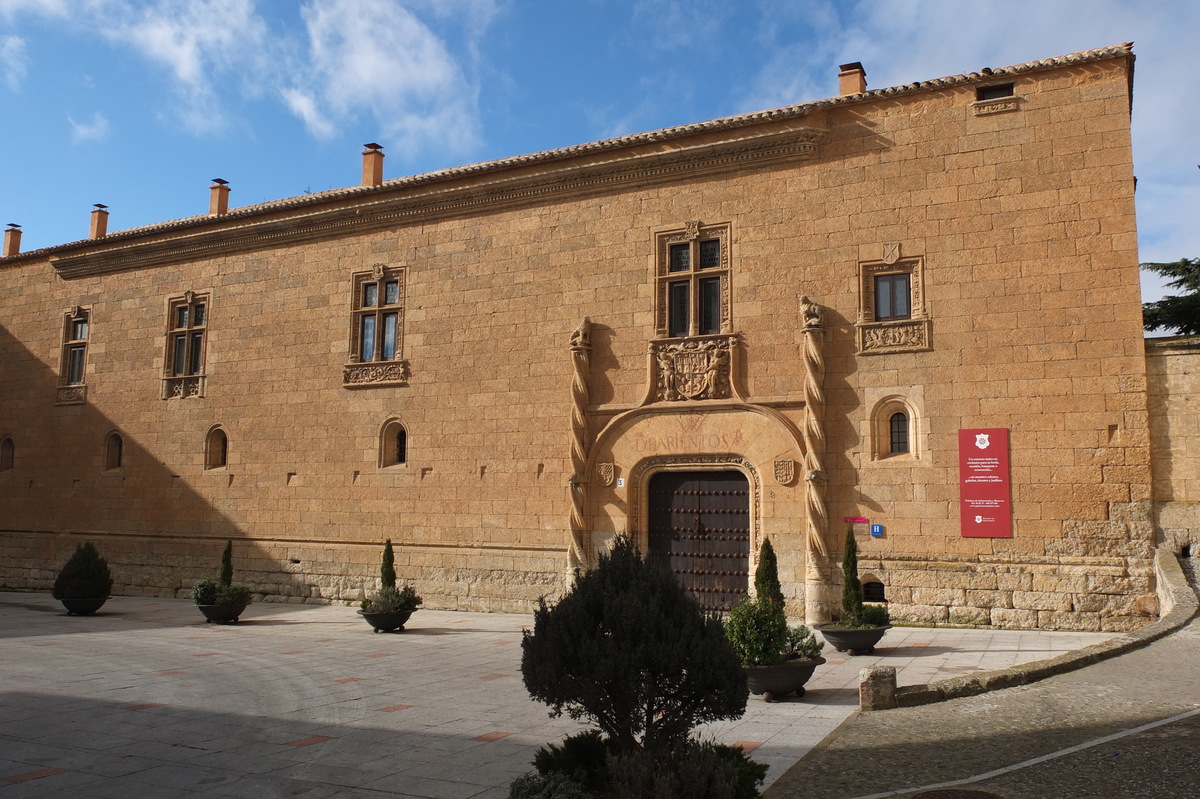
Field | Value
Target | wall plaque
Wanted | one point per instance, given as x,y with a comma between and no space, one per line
985,483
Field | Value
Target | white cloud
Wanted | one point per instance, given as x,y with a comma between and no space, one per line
14,62
93,130
375,58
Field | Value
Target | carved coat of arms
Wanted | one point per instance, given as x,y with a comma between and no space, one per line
694,369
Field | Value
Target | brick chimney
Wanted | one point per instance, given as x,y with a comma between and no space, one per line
99,222
12,240
218,197
852,79
372,164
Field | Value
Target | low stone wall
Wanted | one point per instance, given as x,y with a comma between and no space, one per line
1179,605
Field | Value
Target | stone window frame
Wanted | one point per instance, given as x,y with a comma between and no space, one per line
881,429
376,370
692,235
8,453
909,334
186,380
216,448
989,101
393,444
72,374
114,451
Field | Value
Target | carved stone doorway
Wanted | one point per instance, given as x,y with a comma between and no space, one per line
699,525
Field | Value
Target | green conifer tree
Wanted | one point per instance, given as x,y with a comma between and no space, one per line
852,601
227,564
1179,313
387,571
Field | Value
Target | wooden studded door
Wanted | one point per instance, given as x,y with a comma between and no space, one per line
700,526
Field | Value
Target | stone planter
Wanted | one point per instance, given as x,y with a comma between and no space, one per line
780,679
222,614
387,621
856,642
82,607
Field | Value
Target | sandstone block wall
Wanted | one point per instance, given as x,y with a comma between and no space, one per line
1173,370
1021,221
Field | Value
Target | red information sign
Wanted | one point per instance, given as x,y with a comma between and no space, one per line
984,483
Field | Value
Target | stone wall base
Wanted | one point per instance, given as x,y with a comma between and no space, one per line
1052,593
474,578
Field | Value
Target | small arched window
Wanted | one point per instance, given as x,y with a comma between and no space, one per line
393,444
216,449
898,433
873,591
114,451
6,454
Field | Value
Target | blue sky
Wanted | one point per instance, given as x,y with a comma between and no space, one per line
138,104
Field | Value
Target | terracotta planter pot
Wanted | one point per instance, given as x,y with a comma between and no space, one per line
82,607
222,614
856,642
780,679
387,621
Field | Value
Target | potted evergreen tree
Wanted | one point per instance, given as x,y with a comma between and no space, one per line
860,626
221,601
84,582
778,660
388,609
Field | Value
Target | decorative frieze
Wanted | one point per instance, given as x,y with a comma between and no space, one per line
70,395
883,337
183,387
364,375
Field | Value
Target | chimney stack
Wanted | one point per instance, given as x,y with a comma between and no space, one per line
852,79
218,197
372,164
12,240
99,222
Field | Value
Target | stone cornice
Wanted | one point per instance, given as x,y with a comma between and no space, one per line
514,187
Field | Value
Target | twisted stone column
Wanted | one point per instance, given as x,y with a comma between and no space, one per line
581,354
816,601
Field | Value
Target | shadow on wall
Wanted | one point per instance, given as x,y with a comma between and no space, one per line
77,475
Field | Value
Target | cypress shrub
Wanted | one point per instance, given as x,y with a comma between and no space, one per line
387,570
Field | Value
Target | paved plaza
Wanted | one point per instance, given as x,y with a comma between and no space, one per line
145,699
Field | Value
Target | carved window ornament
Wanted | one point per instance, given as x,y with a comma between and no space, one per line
692,281
187,339
72,388
377,329
892,316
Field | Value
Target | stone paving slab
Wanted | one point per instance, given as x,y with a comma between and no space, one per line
304,700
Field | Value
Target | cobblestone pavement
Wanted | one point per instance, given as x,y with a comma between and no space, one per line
145,699
1125,728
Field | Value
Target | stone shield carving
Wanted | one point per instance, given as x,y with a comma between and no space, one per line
785,472
605,472
693,369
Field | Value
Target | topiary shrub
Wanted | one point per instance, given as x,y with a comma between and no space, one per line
389,600
856,615
221,591
758,632
387,569
707,770
227,564
628,649
766,576
85,575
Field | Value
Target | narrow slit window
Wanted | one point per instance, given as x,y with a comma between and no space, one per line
216,455
898,433
7,451
393,444
114,451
